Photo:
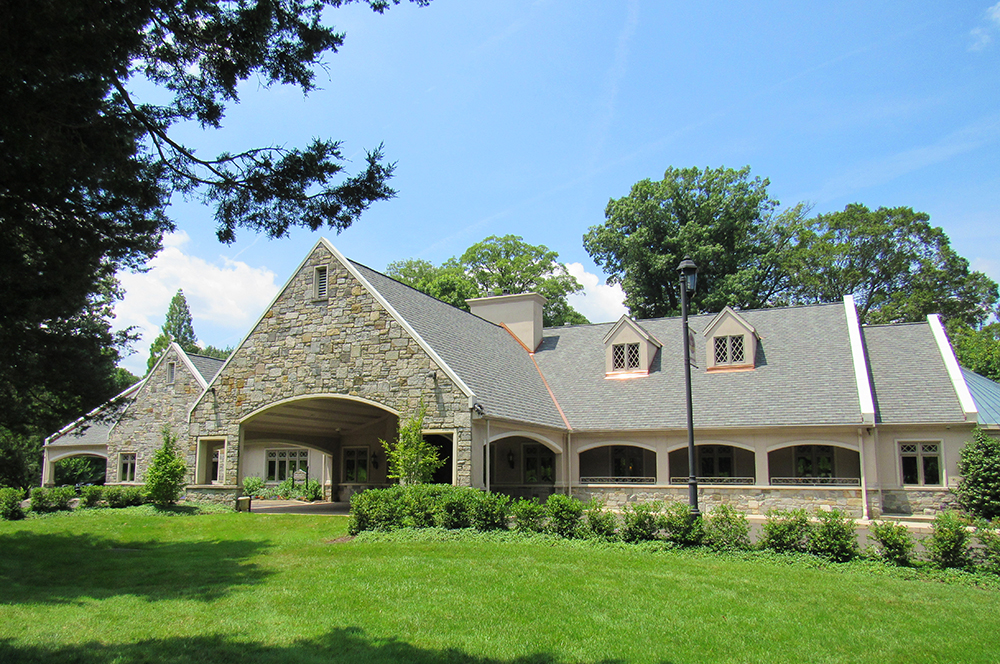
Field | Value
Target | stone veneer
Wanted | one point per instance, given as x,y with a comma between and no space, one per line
747,499
157,404
346,343
908,502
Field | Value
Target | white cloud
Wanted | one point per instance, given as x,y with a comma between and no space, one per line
981,37
599,302
224,297
994,13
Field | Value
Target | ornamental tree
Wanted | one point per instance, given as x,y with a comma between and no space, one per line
411,459
979,465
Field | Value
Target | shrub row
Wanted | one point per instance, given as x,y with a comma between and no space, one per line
45,500
831,535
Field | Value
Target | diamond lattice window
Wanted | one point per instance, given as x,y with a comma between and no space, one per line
730,350
625,357
618,357
633,356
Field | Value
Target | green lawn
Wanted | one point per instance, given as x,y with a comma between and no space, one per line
122,587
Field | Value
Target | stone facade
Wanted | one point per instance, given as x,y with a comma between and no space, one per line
346,343
159,403
918,502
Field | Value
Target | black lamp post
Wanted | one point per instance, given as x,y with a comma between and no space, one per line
689,280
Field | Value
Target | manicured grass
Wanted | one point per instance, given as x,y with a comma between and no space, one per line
124,586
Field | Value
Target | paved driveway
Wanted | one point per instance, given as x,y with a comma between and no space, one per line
298,507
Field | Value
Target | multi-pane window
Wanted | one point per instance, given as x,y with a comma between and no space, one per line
356,464
320,283
126,467
171,371
627,461
730,350
216,453
282,464
921,462
625,357
539,465
715,461
814,461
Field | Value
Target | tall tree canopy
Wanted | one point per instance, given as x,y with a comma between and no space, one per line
722,218
497,266
177,327
87,167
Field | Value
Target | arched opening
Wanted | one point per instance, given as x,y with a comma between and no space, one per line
80,470
335,440
814,464
618,464
716,464
522,467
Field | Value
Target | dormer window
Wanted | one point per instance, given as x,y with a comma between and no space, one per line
629,350
730,342
625,357
729,350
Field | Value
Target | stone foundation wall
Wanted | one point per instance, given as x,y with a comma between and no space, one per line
747,499
215,494
917,501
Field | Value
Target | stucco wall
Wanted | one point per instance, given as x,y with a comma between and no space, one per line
345,344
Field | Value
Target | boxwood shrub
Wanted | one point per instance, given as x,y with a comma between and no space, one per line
834,537
726,529
564,514
893,542
10,504
786,530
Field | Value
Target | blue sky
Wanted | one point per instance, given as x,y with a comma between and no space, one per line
527,117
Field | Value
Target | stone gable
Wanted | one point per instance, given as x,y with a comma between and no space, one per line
158,403
344,344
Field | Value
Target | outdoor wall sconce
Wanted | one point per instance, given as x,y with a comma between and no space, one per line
510,458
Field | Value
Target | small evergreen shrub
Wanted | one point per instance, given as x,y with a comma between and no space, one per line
113,496
423,504
680,527
529,515
90,496
894,542
42,500
786,530
949,543
60,497
455,508
979,489
377,509
989,552
599,523
253,486
491,511
834,537
165,475
564,514
640,522
133,496
10,504
726,529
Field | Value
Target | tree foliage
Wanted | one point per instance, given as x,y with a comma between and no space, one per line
411,459
979,465
977,350
165,476
178,327
504,265
87,166
722,218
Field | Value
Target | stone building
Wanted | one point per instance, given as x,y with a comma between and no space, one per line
793,407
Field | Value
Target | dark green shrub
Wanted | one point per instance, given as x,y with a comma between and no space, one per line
113,496
979,489
310,490
491,512
42,500
253,486
10,504
165,475
377,509
133,495
286,489
455,508
834,537
989,542
726,529
529,515
786,530
680,527
894,542
640,522
949,543
598,522
60,497
90,496
564,514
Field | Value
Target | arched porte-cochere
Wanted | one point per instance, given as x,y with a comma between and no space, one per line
332,439
716,464
814,464
523,467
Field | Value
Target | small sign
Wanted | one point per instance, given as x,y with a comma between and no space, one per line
299,476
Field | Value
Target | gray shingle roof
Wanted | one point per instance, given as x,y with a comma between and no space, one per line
804,375
208,367
93,429
484,355
910,382
986,394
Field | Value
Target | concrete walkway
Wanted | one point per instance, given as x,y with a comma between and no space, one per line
298,507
